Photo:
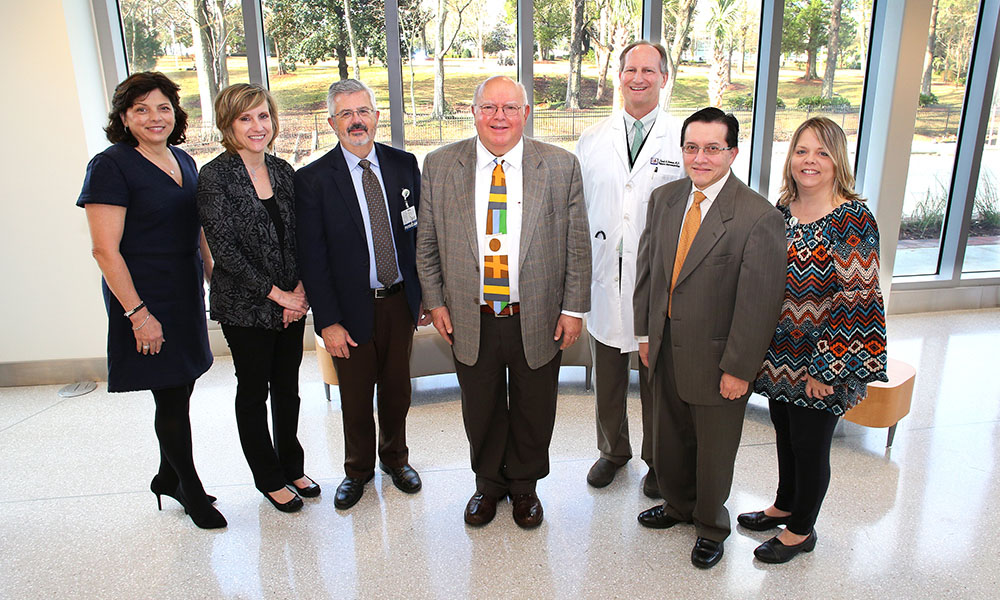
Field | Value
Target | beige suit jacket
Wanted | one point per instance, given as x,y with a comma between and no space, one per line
728,294
554,262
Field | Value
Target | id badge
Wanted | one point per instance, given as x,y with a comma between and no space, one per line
409,218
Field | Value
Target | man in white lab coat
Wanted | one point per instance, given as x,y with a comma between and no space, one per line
624,158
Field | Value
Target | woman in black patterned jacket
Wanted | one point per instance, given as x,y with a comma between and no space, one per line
246,203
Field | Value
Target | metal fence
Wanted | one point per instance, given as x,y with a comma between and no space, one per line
303,134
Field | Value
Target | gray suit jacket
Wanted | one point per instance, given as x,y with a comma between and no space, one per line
554,262
728,295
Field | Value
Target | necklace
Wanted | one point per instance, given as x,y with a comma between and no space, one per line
253,170
154,159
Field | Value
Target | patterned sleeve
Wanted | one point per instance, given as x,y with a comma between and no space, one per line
852,345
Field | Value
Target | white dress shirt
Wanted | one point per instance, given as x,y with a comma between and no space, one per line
514,176
354,167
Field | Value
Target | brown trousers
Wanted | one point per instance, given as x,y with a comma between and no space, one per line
383,361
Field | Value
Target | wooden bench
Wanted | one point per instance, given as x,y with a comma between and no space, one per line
887,402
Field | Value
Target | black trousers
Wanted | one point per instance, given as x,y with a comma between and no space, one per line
509,410
804,437
383,361
268,360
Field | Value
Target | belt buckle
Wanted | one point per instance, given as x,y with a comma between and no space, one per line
380,293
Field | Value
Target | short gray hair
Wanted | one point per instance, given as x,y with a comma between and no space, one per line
479,89
347,86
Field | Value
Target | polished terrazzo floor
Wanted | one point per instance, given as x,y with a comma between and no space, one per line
77,519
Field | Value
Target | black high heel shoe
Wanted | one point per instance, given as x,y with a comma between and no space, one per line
204,514
160,489
293,505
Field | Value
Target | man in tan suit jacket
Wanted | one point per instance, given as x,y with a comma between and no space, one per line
517,340
703,333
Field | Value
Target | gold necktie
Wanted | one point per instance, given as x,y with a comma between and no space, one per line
692,221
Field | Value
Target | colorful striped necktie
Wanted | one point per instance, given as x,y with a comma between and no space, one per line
692,221
496,274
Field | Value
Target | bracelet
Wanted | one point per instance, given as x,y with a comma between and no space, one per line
136,309
141,325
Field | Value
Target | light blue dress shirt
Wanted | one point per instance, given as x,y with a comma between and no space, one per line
355,170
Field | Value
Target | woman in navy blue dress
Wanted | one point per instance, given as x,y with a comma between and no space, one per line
139,195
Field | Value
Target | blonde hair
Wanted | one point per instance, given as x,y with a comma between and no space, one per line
236,100
835,142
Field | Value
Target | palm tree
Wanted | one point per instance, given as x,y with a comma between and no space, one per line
720,22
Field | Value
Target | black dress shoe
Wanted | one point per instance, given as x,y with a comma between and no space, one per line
405,478
349,491
758,521
706,553
650,488
773,551
310,491
293,505
602,473
527,510
657,518
481,509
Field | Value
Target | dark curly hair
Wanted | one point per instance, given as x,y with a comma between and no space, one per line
137,86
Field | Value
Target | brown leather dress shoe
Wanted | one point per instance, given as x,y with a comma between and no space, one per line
650,488
602,473
481,509
527,510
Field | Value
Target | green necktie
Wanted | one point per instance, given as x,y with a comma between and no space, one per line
636,139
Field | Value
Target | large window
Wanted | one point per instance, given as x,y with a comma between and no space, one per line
199,45
311,44
448,47
713,61
982,252
824,46
932,155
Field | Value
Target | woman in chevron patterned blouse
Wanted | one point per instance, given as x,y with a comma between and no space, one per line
830,340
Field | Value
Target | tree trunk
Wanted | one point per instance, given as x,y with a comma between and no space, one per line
350,37
573,79
440,105
717,72
603,56
811,65
832,48
205,66
342,62
685,10
925,83
413,97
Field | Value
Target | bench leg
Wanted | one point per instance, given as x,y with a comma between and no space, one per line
326,388
892,434
588,375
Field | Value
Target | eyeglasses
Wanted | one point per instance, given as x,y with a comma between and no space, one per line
364,112
510,110
710,150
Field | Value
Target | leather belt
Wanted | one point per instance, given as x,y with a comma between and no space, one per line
510,309
388,291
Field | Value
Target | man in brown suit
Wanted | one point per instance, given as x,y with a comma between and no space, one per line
503,254
709,284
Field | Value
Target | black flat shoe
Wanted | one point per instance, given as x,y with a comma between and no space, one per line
310,491
161,489
758,521
202,513
657,518
706,553
349,491
774,552
293,505
405,478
